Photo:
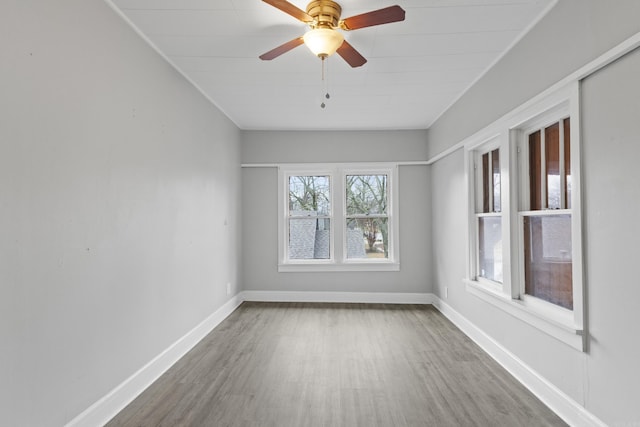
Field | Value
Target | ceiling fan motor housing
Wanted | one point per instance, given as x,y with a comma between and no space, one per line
325,13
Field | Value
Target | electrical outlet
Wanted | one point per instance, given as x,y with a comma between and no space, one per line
446,292
228,288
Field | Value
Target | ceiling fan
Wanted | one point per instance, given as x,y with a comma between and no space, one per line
324,39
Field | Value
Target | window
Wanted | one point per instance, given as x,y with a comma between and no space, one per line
545,213
309,216
338,217
488,216
367,216
525,238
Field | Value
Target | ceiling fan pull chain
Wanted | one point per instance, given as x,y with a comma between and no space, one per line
326,81
323,86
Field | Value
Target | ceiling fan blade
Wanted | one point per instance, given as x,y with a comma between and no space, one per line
376,17
291,9
351,55
283,48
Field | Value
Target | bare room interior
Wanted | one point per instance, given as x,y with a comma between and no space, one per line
206,222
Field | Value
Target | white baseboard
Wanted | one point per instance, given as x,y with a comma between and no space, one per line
117,399
344,297
106,408
564,406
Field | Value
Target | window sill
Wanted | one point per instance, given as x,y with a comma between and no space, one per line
330,266
555,323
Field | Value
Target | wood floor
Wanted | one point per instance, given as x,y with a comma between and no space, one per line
300,364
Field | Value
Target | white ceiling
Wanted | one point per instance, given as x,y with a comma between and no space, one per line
416,68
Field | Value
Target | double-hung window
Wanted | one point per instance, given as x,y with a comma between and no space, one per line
544,214
309,216
525,236
338,217
367,215
488,214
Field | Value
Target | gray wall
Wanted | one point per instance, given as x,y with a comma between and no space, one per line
571,35
333,146
611,114
605,378
116,178
260,208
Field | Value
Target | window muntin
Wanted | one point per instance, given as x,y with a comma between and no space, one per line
367,222
547,270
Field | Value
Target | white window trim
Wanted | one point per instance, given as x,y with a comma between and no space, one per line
473,158
565,325
338,260
284,191
473,152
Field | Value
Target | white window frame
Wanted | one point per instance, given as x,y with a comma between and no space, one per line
509,133
474,160
338,260
316,171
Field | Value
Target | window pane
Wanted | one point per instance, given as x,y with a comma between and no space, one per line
535,172
567,162
486,180
547,256
495,166
366,194
552,158
490,248
309,194
367,238
491,182
309,238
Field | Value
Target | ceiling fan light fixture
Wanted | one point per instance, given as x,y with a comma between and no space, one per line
323,42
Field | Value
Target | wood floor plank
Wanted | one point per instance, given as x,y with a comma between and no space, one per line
343,365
